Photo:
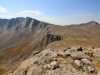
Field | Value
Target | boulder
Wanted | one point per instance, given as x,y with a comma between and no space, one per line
78,63
67,53
86,61
47,67
61,53
54,65
91,69
78,55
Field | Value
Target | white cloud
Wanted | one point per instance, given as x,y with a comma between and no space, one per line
6,16
30,13
3,10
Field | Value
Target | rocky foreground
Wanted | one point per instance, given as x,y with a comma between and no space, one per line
60,62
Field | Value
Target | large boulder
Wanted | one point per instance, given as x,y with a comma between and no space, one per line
54,65
67,53
47,67
78,55
78,63
86,61
61,53
91,69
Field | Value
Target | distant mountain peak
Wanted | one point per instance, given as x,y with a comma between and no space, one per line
93,23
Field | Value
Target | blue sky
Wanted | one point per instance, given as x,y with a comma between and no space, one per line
62,12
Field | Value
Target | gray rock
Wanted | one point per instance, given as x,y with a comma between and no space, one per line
54,65
78,55
78,63
68,53
91,69
61,53
47,67
86,61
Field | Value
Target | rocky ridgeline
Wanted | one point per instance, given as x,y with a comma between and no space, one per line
60,62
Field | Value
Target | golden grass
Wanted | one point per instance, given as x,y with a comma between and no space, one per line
97,64
10,52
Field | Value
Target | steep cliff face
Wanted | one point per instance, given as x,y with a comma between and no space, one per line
21,37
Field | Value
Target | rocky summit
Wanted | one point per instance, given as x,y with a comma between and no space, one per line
64,62
32,47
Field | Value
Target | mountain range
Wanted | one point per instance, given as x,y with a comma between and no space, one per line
21,37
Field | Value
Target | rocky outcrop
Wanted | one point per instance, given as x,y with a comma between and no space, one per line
48,62
51,38
47,39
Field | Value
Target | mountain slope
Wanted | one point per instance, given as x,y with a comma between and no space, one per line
18,38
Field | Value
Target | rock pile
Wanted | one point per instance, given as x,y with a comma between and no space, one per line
53,62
